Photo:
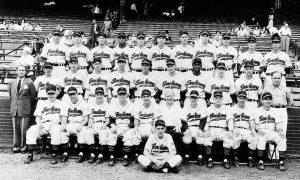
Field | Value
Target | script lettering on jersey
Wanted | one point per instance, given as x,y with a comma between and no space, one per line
225,57
221,88
52,110
171,85
55,52
195,84
138,56
121,55
98,81
78,54
266,120
217,117
101,55
157,149
254,62
74,112
145,115
241,117
123,115
159,57
120,82
275,61
145,83
204,54
250,87
191,117
74,81
183,55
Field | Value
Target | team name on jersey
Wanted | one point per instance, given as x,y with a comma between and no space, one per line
42,86
145,83
191,117
158,57
51,110
250,87
221,88
217,117
120,82
122,54
101,55
123,115
98,113
195,84
183,55
98,81
275,61
137,56
74,81
266,120
241,117
225,57
204,54
159,148
255,63
78,54
74,112
55,52
171,85
145,115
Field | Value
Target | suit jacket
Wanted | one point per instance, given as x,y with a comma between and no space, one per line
22,102
98,29
37,49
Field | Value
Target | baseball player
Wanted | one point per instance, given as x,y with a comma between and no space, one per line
41,82
160,153
207,53
78,116
183,53
159,54
55,53
196,119
243,128
104,52
139,53
228,55
145,114
172,80
122,112
75,79
122,50
81,52
144,80
97,79
220,83
219,126
276,60
251,55
97,125
195,80
269,127
49,114
251,84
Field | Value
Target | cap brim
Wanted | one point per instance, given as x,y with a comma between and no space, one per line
72,92
160,124
248,66
205,34
51,91
218,95
101,92
267,96
194,95
170,63
122,36
146,94
242,96
141,36
48,66
121,60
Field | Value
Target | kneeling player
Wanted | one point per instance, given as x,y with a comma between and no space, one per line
160,152
196,119
243,128
78,115
49,114
269,126
97,125
219,126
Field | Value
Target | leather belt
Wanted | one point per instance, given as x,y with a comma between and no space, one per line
255,72
270,74
137,70
207,69
162,69
58,64
278,106
228,69
164,99
82,67
107,69
217,127
241,127
251,100
183,70
42,98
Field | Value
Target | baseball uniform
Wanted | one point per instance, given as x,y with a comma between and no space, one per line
229,57
142,82
106,55
256,58
207,54
82,53
159,58
97,80
125,52
137,55
41,82
183,57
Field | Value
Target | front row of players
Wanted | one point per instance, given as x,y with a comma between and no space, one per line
135,125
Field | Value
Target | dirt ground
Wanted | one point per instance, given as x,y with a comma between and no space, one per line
12,167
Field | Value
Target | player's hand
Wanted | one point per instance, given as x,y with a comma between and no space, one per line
187,132
40,125
177,129
90,125
253,133
207,134
79,128
236,133
261,133
113,130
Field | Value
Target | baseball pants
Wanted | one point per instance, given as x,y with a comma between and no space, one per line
271,135
189,136
72,130
96,129
218,134
34,132
173,161
244,135
129,138
145,130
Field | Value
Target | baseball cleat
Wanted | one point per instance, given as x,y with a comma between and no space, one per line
64,158
236,162
99,160
28,160
281,166
111,161
200,161
260,165
250,162
125,161
92,160
210,163
53,159
226,164
186,159
79,159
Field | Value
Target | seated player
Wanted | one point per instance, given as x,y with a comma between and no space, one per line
78,116
49,114
160,152
196,119
269,126
243,128
97,125
219,126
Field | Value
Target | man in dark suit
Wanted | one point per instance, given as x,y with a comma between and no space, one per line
22,95
36,47
95,30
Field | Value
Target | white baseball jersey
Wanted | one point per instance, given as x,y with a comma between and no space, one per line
219,118
226,86
226,55
242,117
97,80
82,53
256,58
207,54
106,55
193,82
41,82
268,119
145,115
159,56
193,116
137,55
183,56
122,114
51,111
176,83
142,82
77,80
276,62
125,52
55,53
160,148
121,80
77,111
99,113
252,87
172,115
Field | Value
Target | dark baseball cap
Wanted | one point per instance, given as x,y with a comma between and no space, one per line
146,92
72,90
102,34
170,62
226,36
121,59
75,59
183,32
99,90
221,65
122,90
197,60
97,59
267,95
276,38
140,34
248,64
48,64
205,33
218,93
194,93
160,122
242,94
50,88
251,39
146,61
77,33
121,34
56,32
161,34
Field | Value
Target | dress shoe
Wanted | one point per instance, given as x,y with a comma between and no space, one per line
53,159
92,160
79,159
16,150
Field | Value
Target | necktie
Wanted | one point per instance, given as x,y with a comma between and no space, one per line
19,85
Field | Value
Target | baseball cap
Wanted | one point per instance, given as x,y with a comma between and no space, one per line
56,32
77,33
73,59
122,90
226,36
267,95
160,122
197,60
97,59
102,34
242,94
140,34
50,88
48,64
121,59
146,61
99,90
146,92
121,34
218,93
276,38
161,34
248,64
251,39
72,90
205,33
221,65
194,93
170,62
183,32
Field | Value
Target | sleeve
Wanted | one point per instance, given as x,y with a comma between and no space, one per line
260,86
240,59
230,119
86,109
85,82
39,109
288,62
150,54
264,61
37,82
64,109
148,145
173,52
235,54
136,112
159,83
44,52
208,87
256,116
232,89
89,56
182,84
171,144
106,112
111,54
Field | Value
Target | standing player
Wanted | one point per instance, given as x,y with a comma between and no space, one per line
183,53
276,60
243,128
97,125
78,116
196,120
251,84
207,53
228,55
81,52
219,126
97,79
251,55
49,115
122,50
104,52
55,52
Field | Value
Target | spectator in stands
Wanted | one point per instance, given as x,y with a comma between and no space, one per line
133,11
84,39
38,28
3,25
256,31
96,12
58,27
123,20
26,58
217,39
264,32
27,27
45,41
253,22
11,26
18,27
107,24
232,32
240,32
130,41
95,30
36,47
181,9
285,33
168,38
